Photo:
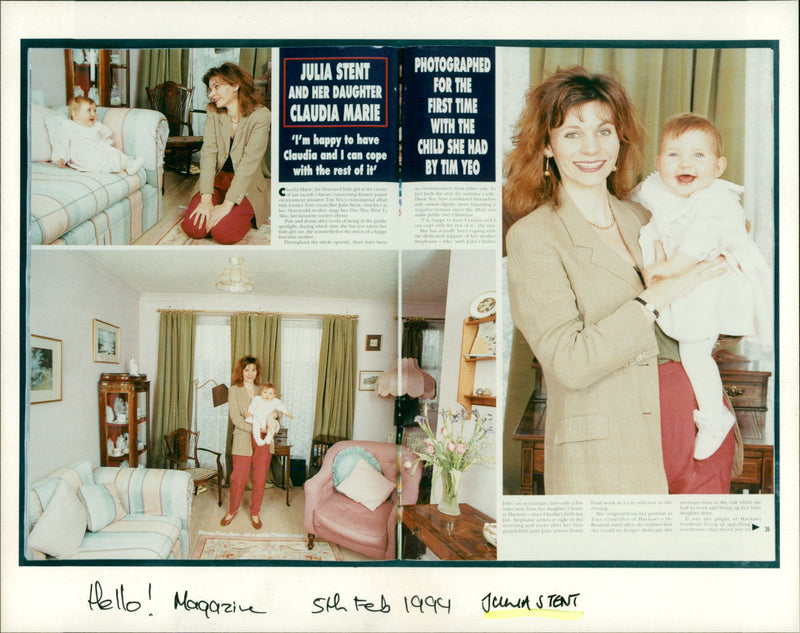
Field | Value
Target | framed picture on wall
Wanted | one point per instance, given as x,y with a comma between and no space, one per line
45,369
105,341
367,380
374,342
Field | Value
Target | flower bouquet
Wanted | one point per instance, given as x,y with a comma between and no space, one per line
461,443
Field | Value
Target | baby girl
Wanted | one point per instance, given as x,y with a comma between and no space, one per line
85,144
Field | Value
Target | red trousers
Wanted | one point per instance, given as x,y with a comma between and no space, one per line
259,461
230,229
686,475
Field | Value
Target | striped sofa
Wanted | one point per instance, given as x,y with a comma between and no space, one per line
70,207
146,510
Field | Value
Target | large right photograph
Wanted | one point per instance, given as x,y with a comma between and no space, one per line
639,249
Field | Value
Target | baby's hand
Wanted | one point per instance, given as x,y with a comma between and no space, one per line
61,163
290,416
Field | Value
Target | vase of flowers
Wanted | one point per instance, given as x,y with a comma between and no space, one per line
461,442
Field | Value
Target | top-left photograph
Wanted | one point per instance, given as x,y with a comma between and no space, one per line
148,146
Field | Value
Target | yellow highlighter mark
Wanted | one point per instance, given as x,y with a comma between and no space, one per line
536,613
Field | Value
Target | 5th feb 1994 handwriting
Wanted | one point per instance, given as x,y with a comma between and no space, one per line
360,604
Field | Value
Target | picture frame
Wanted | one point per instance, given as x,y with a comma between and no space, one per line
45,376
367,379
374,342
105,342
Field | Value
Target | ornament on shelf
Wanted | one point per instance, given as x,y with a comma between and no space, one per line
115,100
133,368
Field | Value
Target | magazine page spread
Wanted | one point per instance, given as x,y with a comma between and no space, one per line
313,324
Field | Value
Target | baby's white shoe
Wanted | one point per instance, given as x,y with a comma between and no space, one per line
711,432
134,165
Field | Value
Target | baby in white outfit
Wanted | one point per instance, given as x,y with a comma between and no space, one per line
85,144
263,414
697,216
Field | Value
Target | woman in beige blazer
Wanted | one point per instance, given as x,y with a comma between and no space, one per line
233,190
617,393
247,455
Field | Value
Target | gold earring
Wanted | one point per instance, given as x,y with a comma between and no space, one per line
547,167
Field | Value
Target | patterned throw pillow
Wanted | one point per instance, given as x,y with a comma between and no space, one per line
102,505
366,485
345,460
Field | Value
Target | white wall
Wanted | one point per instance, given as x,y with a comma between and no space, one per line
48,74
67,291
471,274
373,415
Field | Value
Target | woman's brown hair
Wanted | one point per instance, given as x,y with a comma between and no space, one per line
237,376
546,106
234,75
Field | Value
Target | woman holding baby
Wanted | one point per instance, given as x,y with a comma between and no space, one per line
247,454
619,408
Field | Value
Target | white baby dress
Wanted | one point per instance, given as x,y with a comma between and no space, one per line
708,223
87,148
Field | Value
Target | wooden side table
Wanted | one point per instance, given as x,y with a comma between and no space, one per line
747,390
450,538
283,450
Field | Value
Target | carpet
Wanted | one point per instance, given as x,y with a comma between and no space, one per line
168,232
262,547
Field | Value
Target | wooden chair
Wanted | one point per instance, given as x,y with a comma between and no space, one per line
182,450
175,102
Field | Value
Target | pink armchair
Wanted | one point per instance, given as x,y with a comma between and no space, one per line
338,519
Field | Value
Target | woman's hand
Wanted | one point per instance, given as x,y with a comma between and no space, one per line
679,262
218,213
202,212
661,291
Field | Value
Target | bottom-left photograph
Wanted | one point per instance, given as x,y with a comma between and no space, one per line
221,406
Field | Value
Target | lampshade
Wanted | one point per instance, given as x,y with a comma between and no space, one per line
235,277
411,381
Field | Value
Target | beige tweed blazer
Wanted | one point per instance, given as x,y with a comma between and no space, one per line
248,154
238,403
572,299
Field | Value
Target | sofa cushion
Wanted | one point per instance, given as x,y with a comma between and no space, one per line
345,461
62,199
339,514
61,527
366,485
39,146
102,505
135,536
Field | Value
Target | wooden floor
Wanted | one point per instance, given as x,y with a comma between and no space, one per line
177,193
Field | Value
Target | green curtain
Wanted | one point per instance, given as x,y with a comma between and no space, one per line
336,381
412,338
159,65
173,401
663,82
257,335
255,60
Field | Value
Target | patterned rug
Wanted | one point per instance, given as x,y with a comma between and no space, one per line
168,232
267,547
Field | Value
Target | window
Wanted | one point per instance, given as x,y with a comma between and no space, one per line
300,342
